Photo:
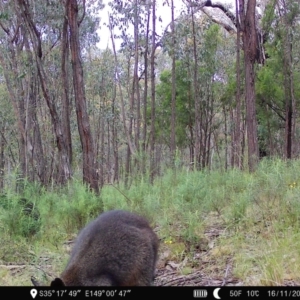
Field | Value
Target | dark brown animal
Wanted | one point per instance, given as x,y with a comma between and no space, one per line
118,248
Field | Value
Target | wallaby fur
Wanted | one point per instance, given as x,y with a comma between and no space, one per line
118,248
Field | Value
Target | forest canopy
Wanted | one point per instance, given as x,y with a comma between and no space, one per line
218,88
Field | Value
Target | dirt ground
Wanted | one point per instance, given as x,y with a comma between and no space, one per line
199,268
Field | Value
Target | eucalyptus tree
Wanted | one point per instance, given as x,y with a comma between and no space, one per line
146,76
253,50
8,134
118,73
199,48
288,12
197,103
250,46
236,158
138,47
278,79
184,108
35,41
21,81
153,94
39,24
173,96
124,15
105,114
89,164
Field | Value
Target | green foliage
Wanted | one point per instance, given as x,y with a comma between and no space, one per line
277,76
20,216
72,207
184,105
251,214
269,15
208,51
212,56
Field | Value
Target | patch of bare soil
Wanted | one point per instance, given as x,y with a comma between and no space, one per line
207,273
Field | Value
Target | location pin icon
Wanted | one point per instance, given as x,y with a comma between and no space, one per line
33,293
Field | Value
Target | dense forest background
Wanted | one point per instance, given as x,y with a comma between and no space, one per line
218,89
192,123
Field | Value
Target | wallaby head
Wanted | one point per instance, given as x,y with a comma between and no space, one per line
118,248
57,282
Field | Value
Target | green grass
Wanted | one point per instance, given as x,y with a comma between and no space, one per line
256,216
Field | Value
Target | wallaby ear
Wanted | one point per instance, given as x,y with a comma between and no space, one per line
34,281
57,282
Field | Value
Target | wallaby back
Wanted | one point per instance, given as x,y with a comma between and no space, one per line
118,248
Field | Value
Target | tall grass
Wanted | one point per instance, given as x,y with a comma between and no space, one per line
257,216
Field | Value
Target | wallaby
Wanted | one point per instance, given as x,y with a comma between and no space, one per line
118,248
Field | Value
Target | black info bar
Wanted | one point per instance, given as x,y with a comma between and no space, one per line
153,293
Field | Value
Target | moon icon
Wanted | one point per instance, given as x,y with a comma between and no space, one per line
215,293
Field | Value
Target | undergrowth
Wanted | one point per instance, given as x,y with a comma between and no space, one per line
256,216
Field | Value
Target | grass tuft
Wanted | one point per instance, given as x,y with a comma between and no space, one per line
204,220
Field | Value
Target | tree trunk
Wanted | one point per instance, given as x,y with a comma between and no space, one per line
34,143
128,137
2,159
13,91
152,70
64,161
226,138
65,89
89,164
288,82
196,100
145,91
115,176
136,77
250,56
237,121
102,149
173,98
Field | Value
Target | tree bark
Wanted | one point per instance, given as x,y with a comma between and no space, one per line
65,88
128,137
237,127
64,161
136,77
288,82
173,97
152,71
2,160
145,102
115,169
196,100
14,93
250,56
32,128
89,164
